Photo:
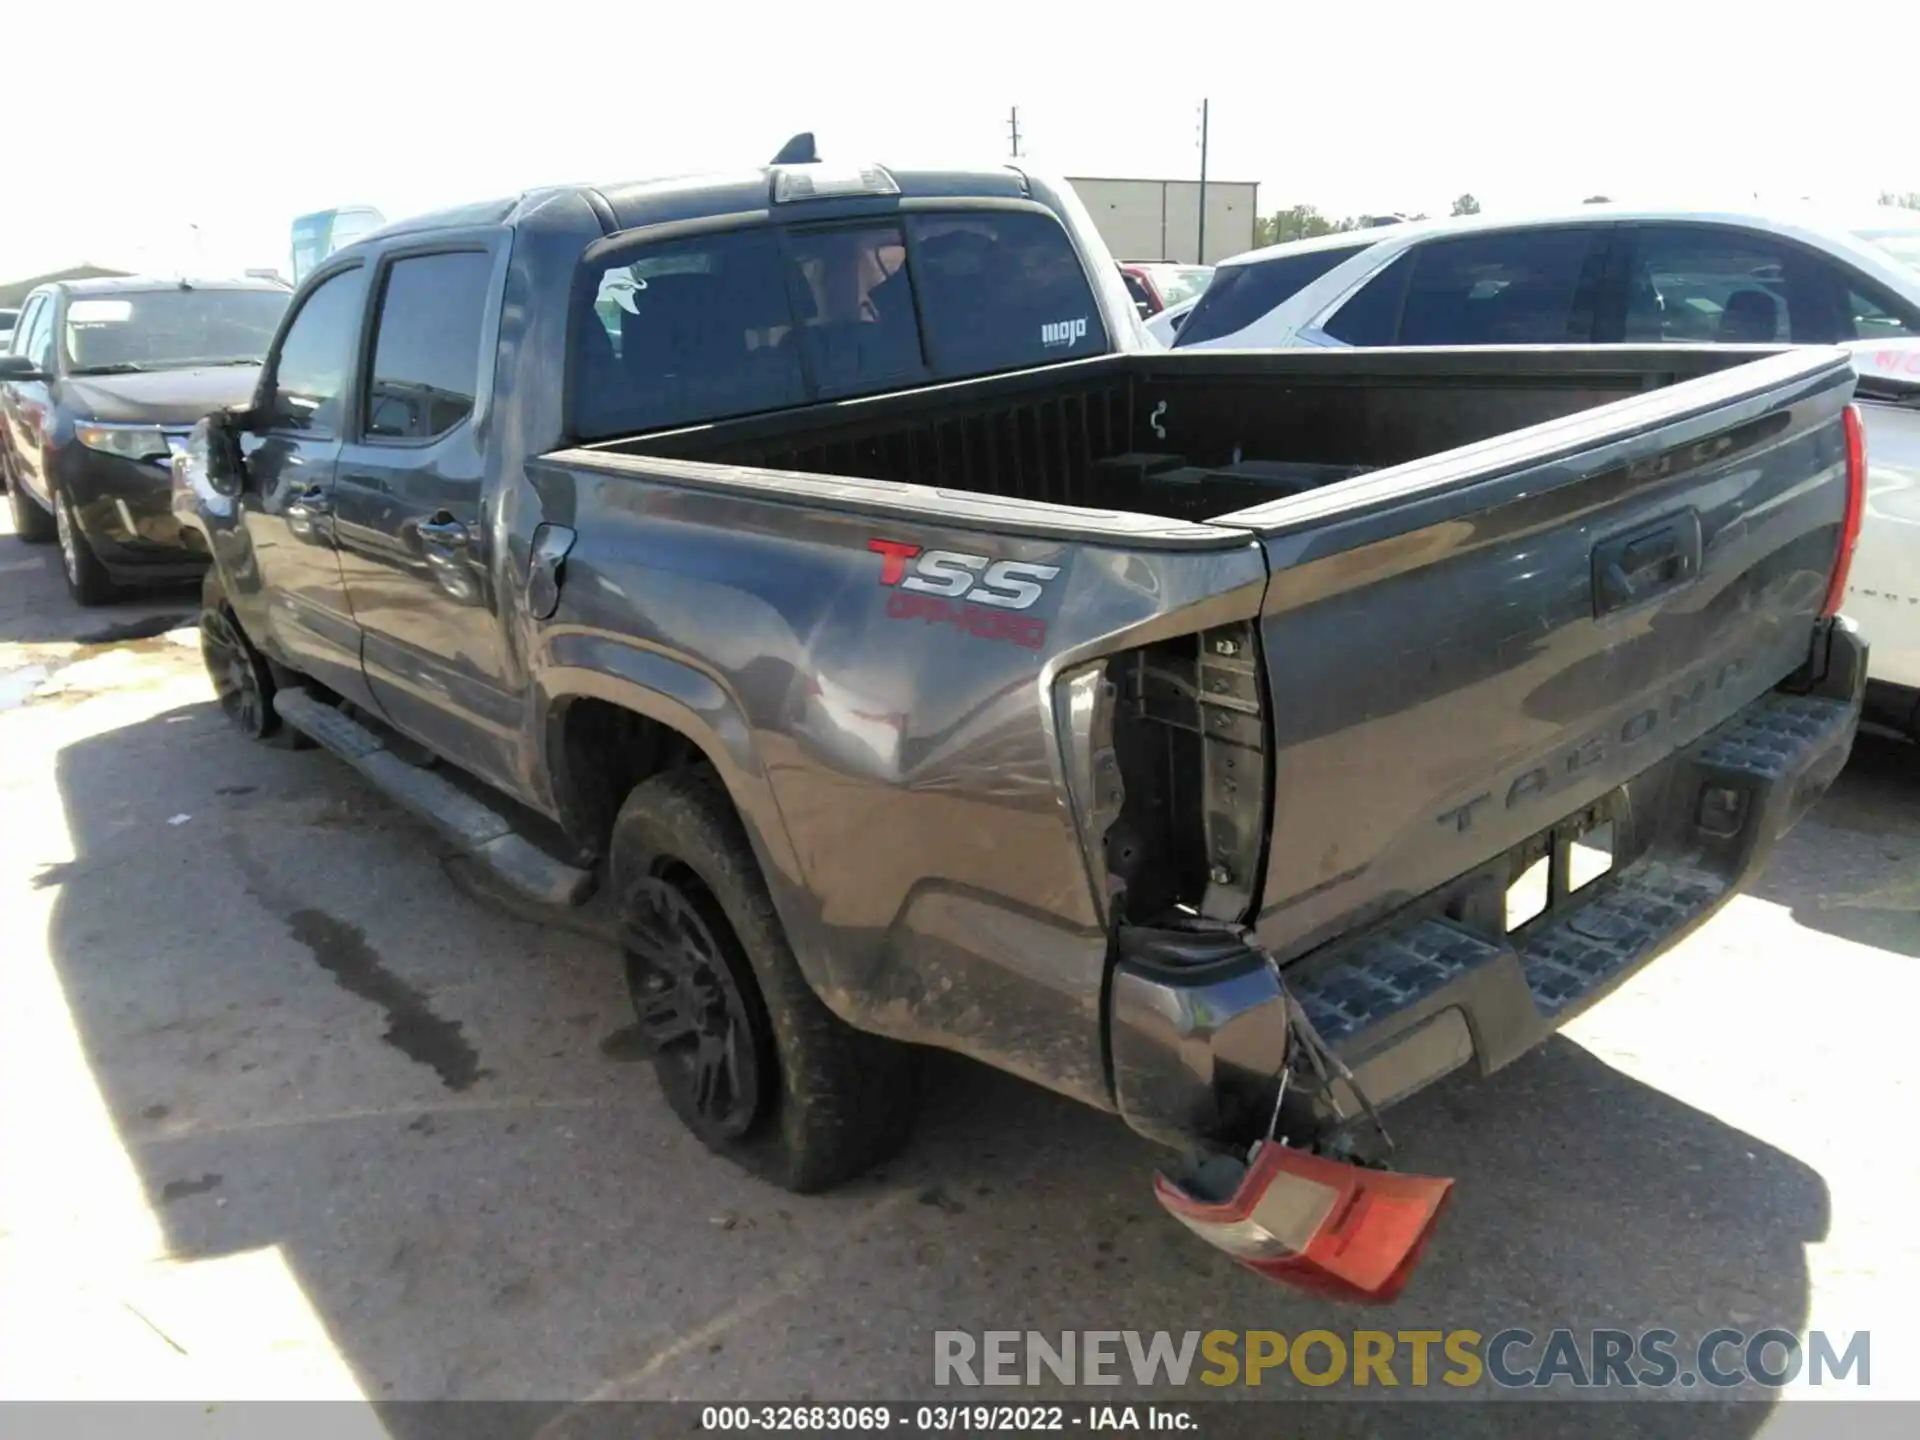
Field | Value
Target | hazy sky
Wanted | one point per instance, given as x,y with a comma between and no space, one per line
150,119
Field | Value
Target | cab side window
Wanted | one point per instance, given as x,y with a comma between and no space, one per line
39,343
1506,287
23,327
1876,314
316,356
426,350
1708,284
1517,287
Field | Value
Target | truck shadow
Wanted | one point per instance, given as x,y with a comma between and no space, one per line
310,1041
1851,869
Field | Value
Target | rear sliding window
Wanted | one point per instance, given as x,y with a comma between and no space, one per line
1241,294
686,331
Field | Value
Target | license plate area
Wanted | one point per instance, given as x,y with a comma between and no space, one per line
1550,872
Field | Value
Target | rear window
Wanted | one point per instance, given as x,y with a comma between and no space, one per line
1241,294
854,302
686,331
1001,291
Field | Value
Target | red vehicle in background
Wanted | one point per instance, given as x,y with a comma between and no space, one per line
1153,285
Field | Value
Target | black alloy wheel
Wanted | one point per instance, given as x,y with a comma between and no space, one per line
240,681
710,1045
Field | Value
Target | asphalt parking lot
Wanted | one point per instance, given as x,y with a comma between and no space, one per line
291,1108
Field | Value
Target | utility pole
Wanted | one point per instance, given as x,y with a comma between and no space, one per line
1013,129
1201,258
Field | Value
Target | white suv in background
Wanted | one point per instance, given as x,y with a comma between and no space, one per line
1597,275
1605,274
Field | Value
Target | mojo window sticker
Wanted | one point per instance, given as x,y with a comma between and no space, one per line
1056,333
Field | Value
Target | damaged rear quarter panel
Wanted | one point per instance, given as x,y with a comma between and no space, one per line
906,734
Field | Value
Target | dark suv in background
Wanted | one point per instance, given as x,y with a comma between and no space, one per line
102,381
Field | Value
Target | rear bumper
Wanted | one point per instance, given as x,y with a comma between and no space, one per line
1197,1031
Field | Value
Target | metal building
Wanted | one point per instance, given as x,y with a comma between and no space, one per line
1160,219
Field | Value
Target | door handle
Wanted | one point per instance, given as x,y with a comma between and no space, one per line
309,501
1642,561
445,532
307,511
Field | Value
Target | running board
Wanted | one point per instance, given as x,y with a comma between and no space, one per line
479,831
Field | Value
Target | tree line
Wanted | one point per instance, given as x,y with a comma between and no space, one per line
1303,222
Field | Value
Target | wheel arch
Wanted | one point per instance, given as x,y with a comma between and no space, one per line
618,714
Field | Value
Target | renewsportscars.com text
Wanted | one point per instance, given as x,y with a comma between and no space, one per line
1405,1359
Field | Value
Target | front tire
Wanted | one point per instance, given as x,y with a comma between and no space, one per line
748,1057
243,681
31,524
87,579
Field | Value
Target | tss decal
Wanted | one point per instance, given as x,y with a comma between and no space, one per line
950,586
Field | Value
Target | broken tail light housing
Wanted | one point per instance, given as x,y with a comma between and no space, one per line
1856,433
1340,1231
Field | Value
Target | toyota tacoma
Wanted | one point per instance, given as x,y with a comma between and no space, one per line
819,563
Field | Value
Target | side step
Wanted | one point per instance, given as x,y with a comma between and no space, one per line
488,837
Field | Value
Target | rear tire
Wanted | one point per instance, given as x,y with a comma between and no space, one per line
748,1057
87,579
31,524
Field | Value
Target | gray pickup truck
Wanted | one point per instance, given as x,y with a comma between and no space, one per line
818,563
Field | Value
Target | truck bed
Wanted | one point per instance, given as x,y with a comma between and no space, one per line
1188,435
1328,642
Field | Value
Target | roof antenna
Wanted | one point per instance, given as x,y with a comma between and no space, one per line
798,151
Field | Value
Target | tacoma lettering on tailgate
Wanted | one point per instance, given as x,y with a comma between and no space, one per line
1551,773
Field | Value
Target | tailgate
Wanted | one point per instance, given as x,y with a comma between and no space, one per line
1466,650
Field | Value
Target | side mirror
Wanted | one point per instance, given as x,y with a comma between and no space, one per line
19,367
1146,310
214,450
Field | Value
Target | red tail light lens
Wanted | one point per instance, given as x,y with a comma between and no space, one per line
1856,509
1339,1231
